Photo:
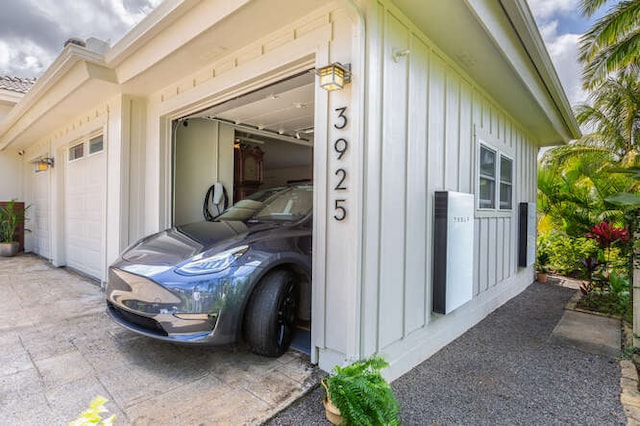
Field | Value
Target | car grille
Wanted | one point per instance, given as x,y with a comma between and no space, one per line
147,324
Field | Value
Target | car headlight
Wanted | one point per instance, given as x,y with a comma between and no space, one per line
216,263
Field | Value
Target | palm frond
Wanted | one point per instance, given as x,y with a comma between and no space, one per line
589,7
609,58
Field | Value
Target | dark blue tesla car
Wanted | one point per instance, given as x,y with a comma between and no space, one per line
246,275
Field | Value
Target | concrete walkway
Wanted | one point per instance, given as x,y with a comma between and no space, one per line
60,350
507,370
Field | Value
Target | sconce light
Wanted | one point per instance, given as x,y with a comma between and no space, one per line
334,76
43,164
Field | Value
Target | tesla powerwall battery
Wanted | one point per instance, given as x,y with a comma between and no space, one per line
452,251
527,234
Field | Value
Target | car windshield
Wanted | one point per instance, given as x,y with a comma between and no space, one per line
290,204
245,208
281,203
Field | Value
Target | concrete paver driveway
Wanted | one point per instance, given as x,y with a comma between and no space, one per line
60,350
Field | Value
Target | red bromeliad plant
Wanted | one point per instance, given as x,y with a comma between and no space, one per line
606,234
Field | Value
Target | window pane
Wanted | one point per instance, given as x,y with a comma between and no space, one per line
505,196
96,145
505,170
487,162
76,151
487,193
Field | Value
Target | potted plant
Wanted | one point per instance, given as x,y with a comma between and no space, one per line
358,394
10,218
542,266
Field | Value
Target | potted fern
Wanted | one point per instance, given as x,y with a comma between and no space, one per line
10,218
358,394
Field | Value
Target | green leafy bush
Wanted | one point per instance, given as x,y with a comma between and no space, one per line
565,252
609,295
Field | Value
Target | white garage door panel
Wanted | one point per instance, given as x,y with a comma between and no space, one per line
84,214
39,215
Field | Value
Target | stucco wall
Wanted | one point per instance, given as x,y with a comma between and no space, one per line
10,175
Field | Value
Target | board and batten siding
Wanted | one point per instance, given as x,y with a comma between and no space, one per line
426,119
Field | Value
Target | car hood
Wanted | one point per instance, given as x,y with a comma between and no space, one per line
175,245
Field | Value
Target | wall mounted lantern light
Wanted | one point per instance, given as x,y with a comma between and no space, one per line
43,164
334,76
400,53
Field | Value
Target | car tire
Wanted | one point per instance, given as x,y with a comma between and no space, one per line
270,318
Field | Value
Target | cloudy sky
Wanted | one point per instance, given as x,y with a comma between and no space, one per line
561,25
32,32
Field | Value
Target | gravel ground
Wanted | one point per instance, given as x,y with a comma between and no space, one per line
502,371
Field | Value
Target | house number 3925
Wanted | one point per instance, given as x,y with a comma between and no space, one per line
340,146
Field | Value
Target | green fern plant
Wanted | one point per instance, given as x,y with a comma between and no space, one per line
362,395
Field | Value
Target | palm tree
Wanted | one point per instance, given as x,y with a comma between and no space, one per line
613,116
574,184
578,183
612,43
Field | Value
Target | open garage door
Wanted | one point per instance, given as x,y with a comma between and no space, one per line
84,219
256,142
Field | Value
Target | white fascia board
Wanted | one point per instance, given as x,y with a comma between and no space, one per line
165,14
147,43
522,47
10,97
71,55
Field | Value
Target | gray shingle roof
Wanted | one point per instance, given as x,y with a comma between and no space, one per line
16,84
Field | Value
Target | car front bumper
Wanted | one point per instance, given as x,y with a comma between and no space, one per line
191,310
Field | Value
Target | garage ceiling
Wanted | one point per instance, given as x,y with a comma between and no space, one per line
279,117
283,108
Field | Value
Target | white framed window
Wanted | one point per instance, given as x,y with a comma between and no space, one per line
495,179
96,144
487,190
76,151
506,182
87,146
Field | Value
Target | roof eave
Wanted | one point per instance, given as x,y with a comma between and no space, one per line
525,26
161,17
68,58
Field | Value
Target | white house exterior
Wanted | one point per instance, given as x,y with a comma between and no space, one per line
434,85
12,89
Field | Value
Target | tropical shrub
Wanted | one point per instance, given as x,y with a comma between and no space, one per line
565,252
608,294
607,235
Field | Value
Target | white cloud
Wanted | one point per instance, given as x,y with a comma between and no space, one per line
562,45
564,53
545,9
28,61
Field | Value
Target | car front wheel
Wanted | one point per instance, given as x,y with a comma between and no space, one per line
270,318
